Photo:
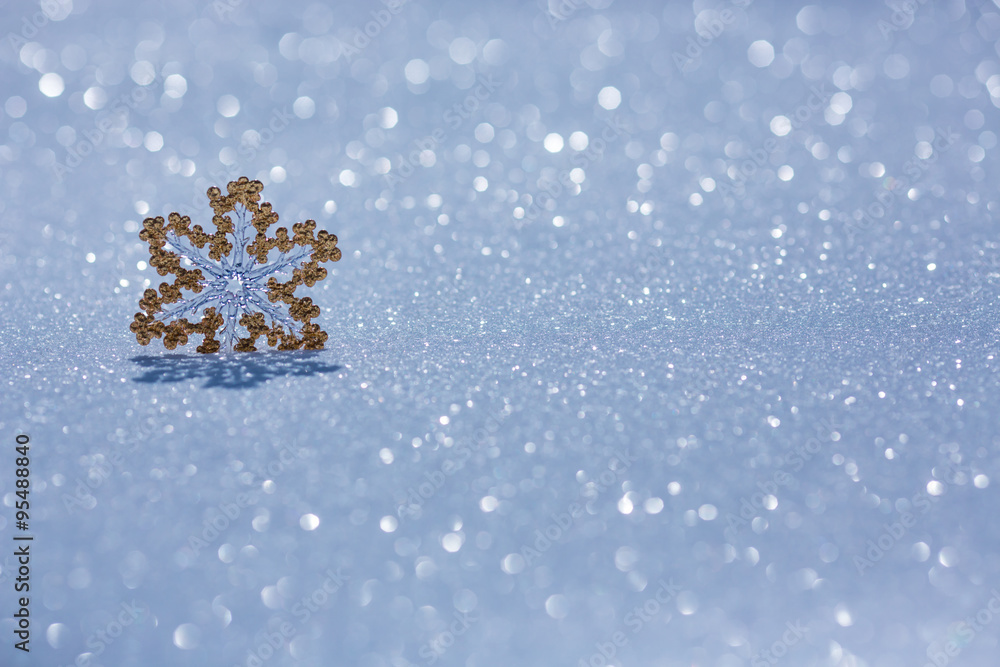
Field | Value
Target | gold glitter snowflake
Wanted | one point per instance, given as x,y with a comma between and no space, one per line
233,285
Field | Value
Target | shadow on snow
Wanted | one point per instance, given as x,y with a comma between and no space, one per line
241,370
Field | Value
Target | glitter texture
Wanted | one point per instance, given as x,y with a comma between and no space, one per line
666,333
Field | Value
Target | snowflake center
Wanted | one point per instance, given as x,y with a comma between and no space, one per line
235,284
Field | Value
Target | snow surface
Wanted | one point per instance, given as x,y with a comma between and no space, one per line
595,395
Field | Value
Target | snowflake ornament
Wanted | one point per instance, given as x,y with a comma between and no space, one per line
233,285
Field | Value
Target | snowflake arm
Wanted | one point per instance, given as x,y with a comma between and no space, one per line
231,277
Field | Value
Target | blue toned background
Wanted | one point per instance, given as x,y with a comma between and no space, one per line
665,334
